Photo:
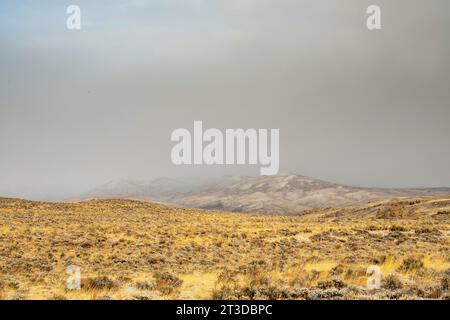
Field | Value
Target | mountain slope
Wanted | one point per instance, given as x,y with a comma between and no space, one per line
279,194
287,194
156,190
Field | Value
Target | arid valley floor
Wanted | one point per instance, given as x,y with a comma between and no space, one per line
138,250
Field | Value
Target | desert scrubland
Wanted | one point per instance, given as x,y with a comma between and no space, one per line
139,250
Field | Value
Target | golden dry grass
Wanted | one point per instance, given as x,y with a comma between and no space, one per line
138,250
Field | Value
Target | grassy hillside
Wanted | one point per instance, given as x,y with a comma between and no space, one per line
138,250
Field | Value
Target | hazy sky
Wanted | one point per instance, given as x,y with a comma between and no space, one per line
360,107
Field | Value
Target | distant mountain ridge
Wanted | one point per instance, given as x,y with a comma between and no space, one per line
156,190
281,194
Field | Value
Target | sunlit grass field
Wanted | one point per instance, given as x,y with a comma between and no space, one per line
138,250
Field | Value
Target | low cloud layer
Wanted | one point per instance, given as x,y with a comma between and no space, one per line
79,108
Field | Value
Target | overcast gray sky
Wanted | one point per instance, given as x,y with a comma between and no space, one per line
359,107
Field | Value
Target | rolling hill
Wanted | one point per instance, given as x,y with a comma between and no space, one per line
282,194
128,249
